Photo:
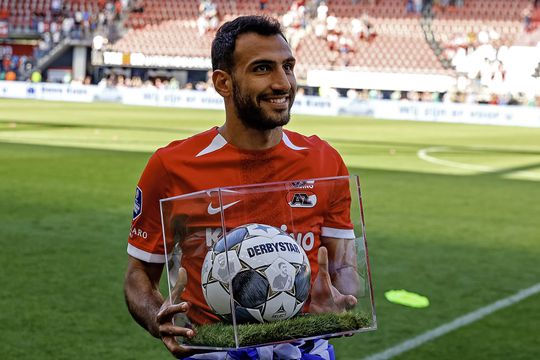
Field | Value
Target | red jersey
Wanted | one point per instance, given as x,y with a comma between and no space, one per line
206,161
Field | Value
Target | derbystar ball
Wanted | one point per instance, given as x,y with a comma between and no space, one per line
257,271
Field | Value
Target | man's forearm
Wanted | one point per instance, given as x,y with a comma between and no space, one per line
343,264
143,300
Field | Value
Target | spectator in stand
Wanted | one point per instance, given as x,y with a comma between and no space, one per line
67,78
418,6
346,45
160,83
136,81
356,28
67,25
328,92
86,23
320,21
413,96
375,94
332,39
208,16
120,81
331,22
322,11
36,77
332,33
527,14
77,32
4,13
56,34
409,6
294,23
174,84
444,3
395,95
352,94
367,29
56,7
11,75
426,96
117,9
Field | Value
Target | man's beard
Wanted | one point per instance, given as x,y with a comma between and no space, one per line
254,117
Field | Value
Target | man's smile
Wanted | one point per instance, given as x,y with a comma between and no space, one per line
278,102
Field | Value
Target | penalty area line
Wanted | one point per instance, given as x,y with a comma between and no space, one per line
455,324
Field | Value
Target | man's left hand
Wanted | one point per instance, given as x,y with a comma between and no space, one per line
324,296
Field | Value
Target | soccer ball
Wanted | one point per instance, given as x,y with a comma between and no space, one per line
268,276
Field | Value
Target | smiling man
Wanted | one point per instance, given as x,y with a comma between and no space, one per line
253,70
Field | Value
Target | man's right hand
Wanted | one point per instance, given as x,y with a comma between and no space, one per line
164,319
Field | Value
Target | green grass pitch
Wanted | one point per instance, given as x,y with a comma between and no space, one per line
452,212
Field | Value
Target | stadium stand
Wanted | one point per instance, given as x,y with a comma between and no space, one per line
48,26
400,42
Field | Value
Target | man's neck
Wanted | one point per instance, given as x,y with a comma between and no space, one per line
250,139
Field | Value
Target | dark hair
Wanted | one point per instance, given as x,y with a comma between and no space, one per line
224,43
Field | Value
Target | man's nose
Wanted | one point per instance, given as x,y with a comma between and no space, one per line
281,80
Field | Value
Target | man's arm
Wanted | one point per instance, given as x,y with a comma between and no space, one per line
149,309
141,290
342,264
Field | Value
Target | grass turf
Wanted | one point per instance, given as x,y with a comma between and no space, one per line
463,238
222,335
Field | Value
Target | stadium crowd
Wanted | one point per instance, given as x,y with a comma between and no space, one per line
62,20
468,95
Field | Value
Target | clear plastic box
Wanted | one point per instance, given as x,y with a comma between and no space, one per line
270,263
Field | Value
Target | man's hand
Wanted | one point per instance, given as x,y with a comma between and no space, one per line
172,306
324,296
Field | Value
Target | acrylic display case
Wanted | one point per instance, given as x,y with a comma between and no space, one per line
270,263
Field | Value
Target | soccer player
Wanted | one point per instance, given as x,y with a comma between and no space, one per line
253,70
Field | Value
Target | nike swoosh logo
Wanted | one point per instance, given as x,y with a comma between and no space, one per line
213,210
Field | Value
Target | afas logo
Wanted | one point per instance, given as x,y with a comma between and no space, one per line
303,184
304,199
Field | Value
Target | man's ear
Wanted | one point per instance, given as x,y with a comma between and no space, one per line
222,83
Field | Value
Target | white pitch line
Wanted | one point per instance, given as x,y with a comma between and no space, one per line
455,324
424,155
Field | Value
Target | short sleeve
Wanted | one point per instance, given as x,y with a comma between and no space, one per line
337,222
145,240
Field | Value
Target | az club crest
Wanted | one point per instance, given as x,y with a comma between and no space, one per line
301,199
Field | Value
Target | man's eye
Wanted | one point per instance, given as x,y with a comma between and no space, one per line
262,68
288,67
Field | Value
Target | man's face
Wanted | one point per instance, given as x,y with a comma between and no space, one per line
264,85
283,269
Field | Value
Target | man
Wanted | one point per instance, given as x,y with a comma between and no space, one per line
283,280
253,69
